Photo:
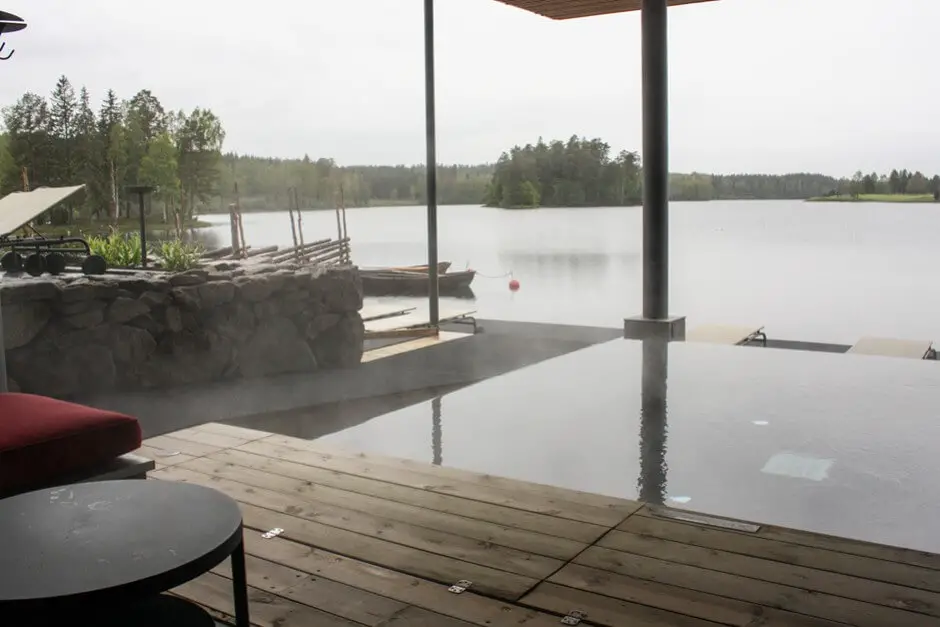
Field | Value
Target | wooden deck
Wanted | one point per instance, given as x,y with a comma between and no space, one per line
377,541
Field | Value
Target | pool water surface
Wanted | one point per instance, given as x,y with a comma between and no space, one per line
839,444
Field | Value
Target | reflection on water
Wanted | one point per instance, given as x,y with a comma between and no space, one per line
652,481
437,436
835,444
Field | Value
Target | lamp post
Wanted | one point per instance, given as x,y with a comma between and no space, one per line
141,191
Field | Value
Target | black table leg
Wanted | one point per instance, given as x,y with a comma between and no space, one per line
240,586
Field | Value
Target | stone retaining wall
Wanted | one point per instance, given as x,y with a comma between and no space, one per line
67,336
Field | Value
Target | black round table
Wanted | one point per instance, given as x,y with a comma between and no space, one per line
79,548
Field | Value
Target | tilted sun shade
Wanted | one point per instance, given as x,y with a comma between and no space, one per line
569,9
21,207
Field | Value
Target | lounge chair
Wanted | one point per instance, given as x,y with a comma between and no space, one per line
730,335
889,347
46,442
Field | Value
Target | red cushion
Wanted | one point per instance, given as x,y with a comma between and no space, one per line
43,439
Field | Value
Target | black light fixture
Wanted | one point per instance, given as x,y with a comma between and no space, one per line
141,191
9,23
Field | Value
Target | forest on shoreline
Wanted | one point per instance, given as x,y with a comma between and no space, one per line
65,139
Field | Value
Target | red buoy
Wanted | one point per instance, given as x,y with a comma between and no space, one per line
513,285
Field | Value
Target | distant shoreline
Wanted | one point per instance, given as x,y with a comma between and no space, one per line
895,198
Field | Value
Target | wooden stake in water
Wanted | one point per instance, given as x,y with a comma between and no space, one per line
342,201
242,245
290,210
300,222
233,225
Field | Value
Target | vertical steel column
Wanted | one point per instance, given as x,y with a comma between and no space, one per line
655,160
431,139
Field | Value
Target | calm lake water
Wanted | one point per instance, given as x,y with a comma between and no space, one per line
807,271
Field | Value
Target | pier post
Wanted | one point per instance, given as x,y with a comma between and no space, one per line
431,140
655,321
655,160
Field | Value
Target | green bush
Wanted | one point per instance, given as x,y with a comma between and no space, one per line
119,250
123,250
176,256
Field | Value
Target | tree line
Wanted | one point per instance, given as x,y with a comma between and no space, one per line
896,182
64,139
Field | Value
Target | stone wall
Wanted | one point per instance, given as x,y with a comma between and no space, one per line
67,336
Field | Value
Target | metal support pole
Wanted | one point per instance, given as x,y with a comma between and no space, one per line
652,480
431,138
655,161
143,231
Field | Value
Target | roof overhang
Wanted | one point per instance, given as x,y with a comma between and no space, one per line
570,9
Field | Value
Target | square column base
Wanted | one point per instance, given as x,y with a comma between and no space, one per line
671,329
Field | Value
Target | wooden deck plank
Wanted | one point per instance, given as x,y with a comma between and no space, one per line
719,609
325,595
267,610
416,318
172,444
391,545
431,596
233,431
371,541
161,457
608,611
507,492
210,438
776,550
888,595
833,543
622,507
478,530
400,348
800,600
416,495
264,575
431,540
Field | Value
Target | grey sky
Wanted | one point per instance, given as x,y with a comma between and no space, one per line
756,85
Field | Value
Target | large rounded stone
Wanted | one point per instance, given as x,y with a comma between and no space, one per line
126,309
276,347
23,321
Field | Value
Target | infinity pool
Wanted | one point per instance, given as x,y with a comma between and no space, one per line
838,444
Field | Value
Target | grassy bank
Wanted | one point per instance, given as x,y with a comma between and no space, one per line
124,225
875,198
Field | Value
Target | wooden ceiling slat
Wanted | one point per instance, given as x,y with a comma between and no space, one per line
570,9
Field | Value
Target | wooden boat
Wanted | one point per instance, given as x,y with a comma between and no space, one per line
412,283
442,267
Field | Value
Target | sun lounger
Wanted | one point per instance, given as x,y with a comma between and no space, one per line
889,347
729,335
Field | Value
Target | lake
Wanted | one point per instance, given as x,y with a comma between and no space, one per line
827,272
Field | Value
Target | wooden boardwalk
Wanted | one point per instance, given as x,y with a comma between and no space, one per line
377,541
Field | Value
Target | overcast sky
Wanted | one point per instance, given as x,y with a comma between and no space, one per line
755,85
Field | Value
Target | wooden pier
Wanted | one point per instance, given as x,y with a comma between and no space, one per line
375,541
